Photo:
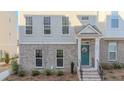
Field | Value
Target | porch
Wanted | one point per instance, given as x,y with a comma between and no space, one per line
88,53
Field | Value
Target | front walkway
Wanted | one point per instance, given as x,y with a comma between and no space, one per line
4,66
4,70
4,74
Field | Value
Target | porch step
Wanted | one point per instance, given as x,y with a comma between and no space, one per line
90,75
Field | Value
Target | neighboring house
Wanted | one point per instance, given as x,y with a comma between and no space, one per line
52,40
8,33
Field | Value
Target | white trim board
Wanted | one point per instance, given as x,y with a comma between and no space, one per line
47,43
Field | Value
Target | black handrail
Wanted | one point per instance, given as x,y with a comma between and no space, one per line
81,72
100,70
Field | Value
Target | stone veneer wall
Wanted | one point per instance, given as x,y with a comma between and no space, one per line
27,55
104,51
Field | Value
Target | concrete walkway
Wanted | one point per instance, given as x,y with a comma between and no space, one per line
4,74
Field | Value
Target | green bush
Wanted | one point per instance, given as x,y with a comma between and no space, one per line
106,66
60,73
122,65
21,73
7,58
35,72
117,66
14,66
48,72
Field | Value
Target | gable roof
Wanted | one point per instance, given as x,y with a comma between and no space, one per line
89,29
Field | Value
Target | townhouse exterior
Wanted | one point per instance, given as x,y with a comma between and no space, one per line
8,33
52,40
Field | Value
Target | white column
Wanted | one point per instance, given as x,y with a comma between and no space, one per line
97,47
79,51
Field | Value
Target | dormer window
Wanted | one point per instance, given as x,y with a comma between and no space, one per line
85,17
114,19
114,22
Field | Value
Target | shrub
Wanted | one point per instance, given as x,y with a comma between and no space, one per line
35,72
7,58
122,65
60,73
21,73
15,66
72,67
106,66
48,72
117,66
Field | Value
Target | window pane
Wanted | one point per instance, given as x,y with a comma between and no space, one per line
85,17
114,23
65,20
28,29
39,53
38,62
47,30
46,20
28,20
59,53
65,29
112,47
112,56
60,62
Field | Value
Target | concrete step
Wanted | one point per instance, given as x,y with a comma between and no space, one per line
86,79
90,75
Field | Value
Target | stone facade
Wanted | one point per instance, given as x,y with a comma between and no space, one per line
27,56
104,50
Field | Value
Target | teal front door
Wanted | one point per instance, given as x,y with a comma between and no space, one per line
84,54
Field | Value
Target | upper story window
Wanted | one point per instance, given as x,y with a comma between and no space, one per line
85,17
65,25
112,51
28,25
114,22
47,25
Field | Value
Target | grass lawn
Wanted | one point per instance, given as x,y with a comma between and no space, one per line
114,74
4,66
41,77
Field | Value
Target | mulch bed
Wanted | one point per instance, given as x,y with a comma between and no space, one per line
4,67
41,77
114,75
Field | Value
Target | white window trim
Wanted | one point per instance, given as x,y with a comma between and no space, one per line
56,62
38,58
47,25
66,25
28,25
38,66
112,51
59,58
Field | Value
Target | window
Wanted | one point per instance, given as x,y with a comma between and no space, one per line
47,25
59,58
85,17
114,22
28,25
112,51
65,25
38,58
